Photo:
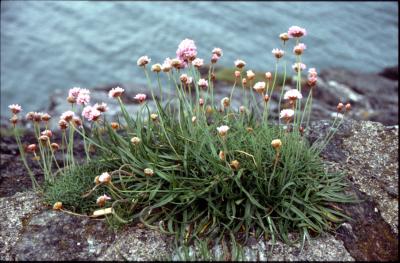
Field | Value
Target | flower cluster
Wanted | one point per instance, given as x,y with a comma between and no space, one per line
78,96
296,31
186,51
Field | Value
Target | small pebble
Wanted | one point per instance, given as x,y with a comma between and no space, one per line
376,210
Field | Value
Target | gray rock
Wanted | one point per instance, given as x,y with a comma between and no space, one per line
56,235
367,152
136,244
374,96
16,210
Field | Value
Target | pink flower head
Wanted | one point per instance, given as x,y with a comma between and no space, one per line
278,53
202,83
37,116
62,124
312,72
298,65
184,78
312,81
106,197
102,107
140,97
74,92
201,102
286,114
29,116
95,114
299,48
296,31
198,62
187,50
189,80
86,112
15,108
143,61
217,51
101,200
91,113
67,116
214,58
83,97
115,92
292,94
77,121
47,133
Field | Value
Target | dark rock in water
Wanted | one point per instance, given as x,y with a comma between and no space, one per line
366,151
390,73
372,96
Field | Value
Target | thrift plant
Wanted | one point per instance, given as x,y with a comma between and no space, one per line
193,167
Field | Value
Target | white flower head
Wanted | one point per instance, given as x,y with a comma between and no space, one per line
292,94
143,61
222,130
259,87
105,178
287,114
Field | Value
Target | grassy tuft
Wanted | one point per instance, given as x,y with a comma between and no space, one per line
198,195
69,187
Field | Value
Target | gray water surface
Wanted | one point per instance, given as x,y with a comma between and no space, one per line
47,45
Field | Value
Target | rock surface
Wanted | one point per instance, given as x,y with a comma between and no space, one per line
16,211
368,153
365,151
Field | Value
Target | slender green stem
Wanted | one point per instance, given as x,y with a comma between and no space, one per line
159,87
159,111
85,146
35,184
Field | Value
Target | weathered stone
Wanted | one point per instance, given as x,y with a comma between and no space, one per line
135,244
15,211
367,152
56,235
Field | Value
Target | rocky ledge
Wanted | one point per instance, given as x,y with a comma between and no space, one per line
366,151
